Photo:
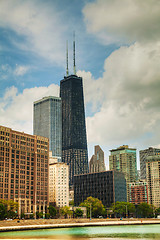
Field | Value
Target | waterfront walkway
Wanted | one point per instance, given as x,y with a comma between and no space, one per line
65,223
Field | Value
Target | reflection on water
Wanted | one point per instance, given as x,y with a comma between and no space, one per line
142,232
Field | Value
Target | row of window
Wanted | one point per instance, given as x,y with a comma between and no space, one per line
4,133
22,137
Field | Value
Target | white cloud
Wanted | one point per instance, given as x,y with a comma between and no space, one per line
125,20
129,96
39,23
90,85
21,70
129,88
5,70
16,108
10,93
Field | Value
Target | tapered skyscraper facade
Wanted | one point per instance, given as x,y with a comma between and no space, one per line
47,122
96,163
74,141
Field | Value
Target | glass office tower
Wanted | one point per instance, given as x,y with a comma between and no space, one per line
123,159
108,186
48,122
74,140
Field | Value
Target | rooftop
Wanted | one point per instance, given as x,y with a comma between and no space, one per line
122,148
47,98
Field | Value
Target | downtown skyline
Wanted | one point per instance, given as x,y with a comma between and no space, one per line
117,55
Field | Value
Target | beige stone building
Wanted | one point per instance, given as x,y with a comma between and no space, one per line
153,179
96,163
59,184
24,169
84,209
52,159
71,194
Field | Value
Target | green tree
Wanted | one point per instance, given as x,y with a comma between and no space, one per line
13,206
157,212
39,215
52,211
95,205
145,210
31,216
123,209
130,209
11,214
47,215
119,209
4,202
71,203
10,207
65,211
78,212
3,211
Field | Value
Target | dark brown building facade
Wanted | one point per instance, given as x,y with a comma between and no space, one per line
24,169
138,192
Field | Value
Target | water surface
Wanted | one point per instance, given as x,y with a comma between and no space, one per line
142,232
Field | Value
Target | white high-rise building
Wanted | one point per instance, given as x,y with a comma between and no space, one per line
59,183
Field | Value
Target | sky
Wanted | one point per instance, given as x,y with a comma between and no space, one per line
117,55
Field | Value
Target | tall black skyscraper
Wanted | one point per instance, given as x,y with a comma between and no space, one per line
74,141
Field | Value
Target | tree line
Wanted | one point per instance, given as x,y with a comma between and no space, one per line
94,207
8,209
119,209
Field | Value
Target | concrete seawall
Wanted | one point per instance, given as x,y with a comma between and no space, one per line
91,223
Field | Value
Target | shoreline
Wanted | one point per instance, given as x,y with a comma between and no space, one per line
6,226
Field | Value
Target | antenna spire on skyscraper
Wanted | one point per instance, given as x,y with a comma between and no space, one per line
74,61
67,70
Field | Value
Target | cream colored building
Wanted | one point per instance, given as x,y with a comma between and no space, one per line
153,179
59,184
52,159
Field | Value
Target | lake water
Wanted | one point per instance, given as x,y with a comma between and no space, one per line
142,232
